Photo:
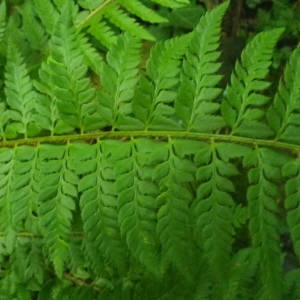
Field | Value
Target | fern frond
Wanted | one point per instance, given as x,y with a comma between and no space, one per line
33,30
102,32
196,106
68,292
291,172
174,217
119,78
242,273
204,289
123,15
283,116
47,13
20,96
34,270
92,58
2,22
244,103
98,202
155,95
136,199
18,192
172,3
137,8
64,81
6,172
23,189
60,4
262,197
213,207
46,104
89,4
18,259
118,176
121,19
27,266
57,197
4,117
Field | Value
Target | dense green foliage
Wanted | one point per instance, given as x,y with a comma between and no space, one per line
128,172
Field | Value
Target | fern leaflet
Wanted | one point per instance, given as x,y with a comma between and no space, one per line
243,106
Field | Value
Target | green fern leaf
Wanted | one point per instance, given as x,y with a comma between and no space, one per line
196,106
6,212
283,115
89,4
34,265
136,199
4,117
18,259
155,95
33,30
122,15
60,3
291,171
137,8
92,57
63,79
98,202
47,13
102,32
265,167
204,288
27,265
243,106
174,217
119,78
24,189
242,273
2,23
122,20
172,3
19,96
213,207
57,201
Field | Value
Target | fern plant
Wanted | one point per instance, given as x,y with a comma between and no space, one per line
127,177
104,19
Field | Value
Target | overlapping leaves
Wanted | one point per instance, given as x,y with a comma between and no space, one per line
90,209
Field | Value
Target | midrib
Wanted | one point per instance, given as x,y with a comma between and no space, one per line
101,135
